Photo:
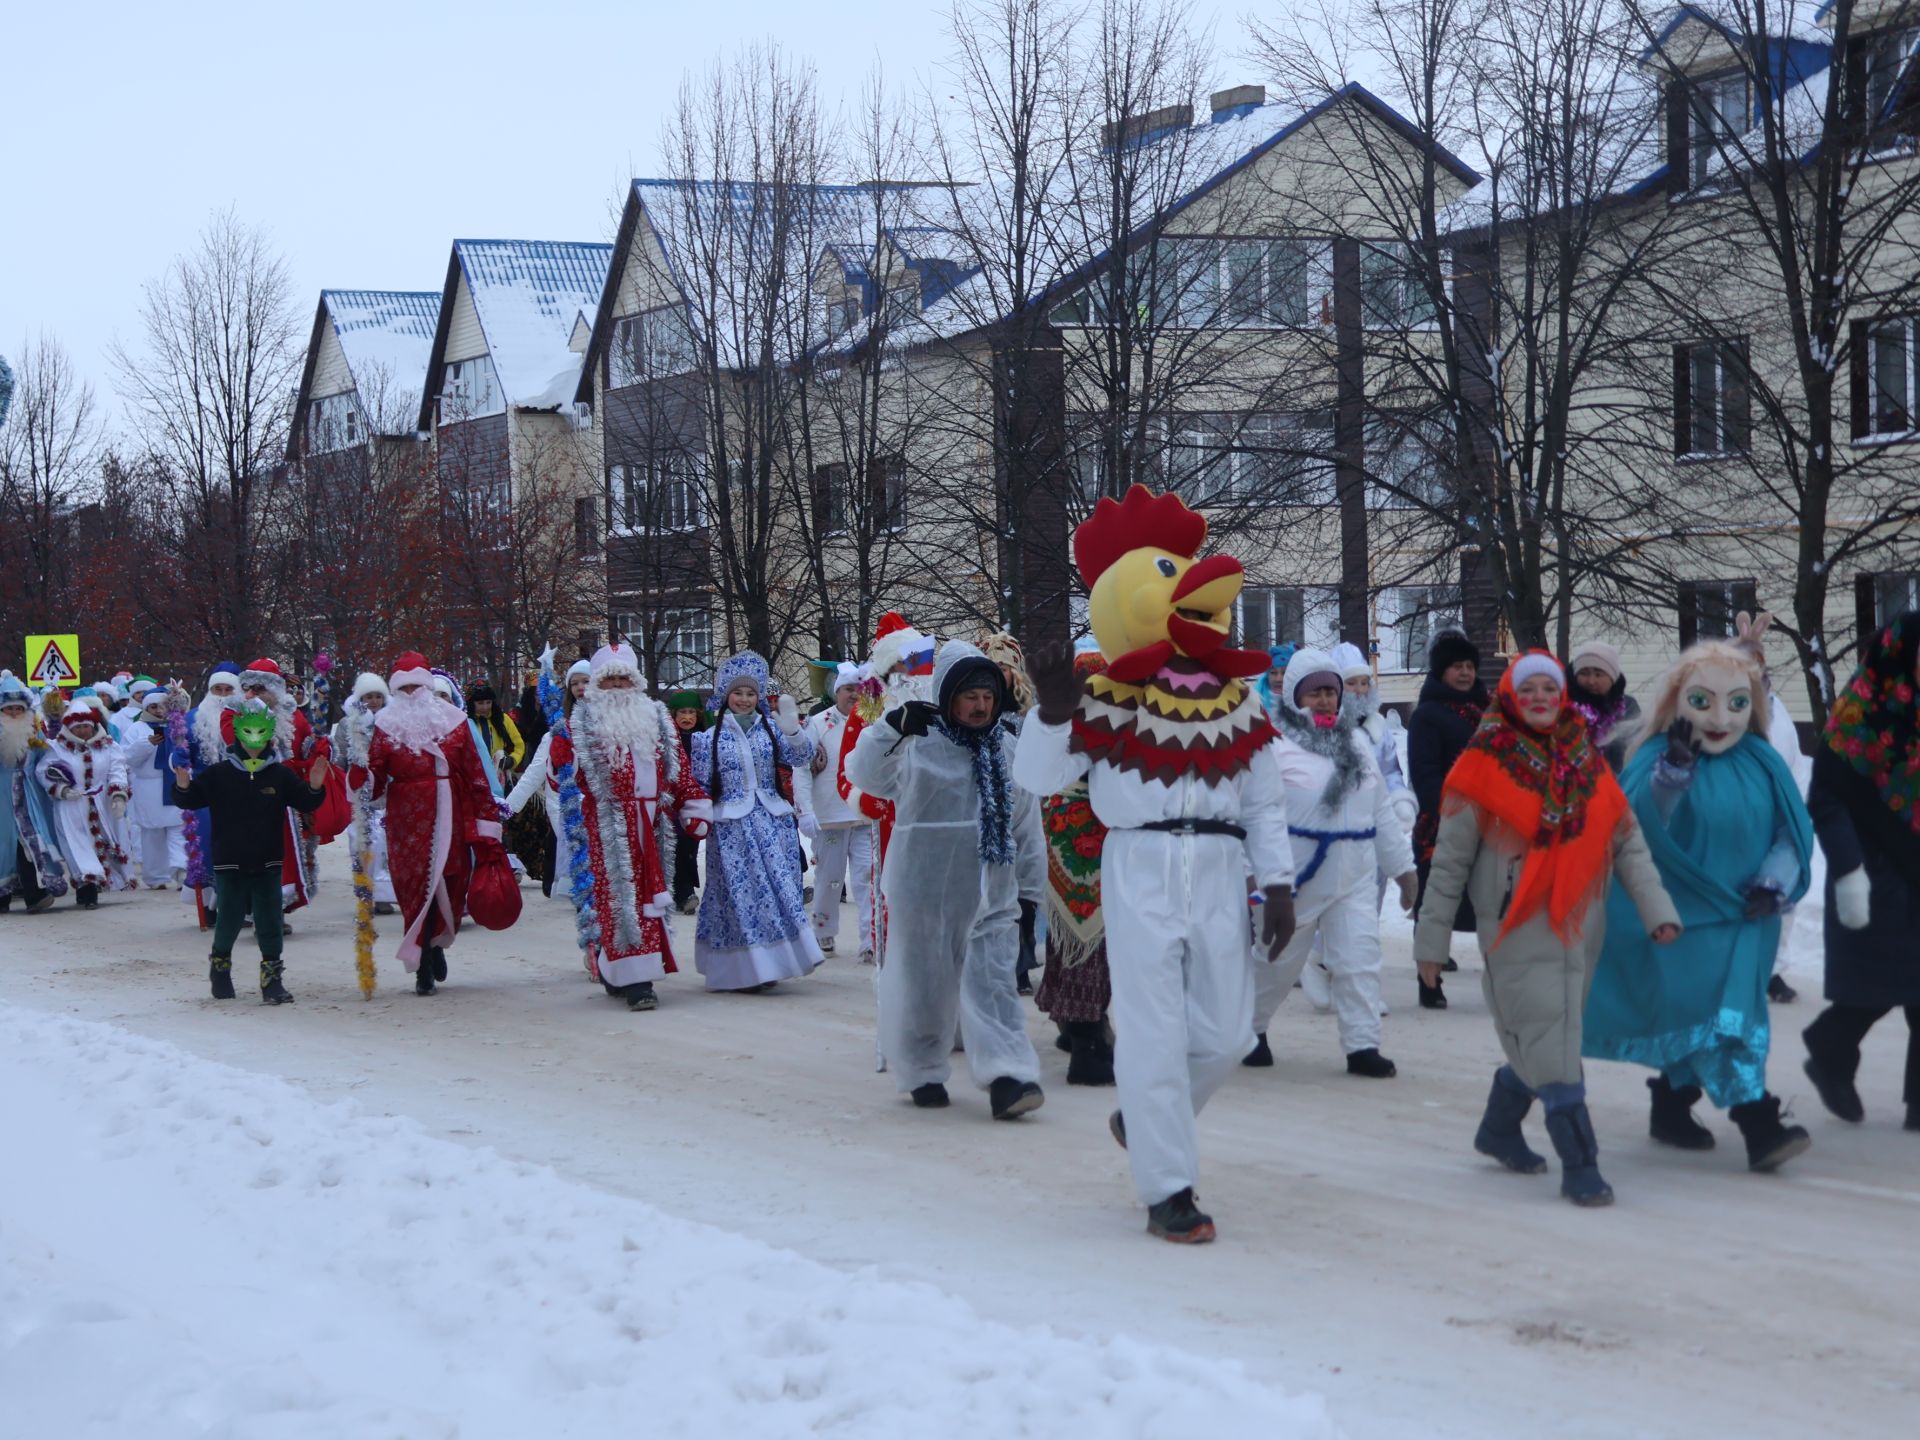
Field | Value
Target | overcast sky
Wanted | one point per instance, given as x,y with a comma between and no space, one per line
364,134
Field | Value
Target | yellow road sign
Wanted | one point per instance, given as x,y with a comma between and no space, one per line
53,660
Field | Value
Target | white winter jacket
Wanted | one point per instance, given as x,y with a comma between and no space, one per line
1342,864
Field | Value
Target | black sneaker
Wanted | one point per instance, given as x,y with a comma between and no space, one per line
221,974
1180,1219
1432,997
1261,1055
931,1097
1780,992
641,996
1012,1098
1372,1064
1450,966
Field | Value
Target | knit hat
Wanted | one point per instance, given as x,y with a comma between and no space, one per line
1537,662
1450,647
1595,654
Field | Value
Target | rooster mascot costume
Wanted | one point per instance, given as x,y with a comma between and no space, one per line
1181,765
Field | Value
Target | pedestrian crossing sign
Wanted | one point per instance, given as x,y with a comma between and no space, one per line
53,660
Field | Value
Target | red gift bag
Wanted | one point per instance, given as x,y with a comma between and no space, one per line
336,811
493,894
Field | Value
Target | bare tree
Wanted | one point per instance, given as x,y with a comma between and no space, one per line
209,391
49,454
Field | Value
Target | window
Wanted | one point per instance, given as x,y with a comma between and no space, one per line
1392,294
830,499
1712,412
649,346
685,645
1707,608
586,528
1270,615
1886,55
469,389
1719,115
1087,437
1878,598
844,313
662,496
333,423
1409,617
1885,368
840,640
888,477
1210,283
1255,459
1410,460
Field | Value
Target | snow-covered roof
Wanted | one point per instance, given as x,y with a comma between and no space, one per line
527,295
385,334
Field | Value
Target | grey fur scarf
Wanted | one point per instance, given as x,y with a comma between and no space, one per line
1335,744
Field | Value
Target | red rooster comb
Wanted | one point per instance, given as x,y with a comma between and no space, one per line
1140,520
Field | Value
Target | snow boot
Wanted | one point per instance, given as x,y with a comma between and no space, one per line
87,897
1012,1098
1261,1056
1769,1143
1432,997
423,977
1672,1122
1064,1040
272,992
1913,1118
1832,1076
42,905
1370,1063
1780,992
220,972
439,954
1571,1130
1117,1127
640,996
931,1097
1092,1062
1499,1133
1180,1219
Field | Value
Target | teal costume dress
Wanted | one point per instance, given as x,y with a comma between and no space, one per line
1696,1010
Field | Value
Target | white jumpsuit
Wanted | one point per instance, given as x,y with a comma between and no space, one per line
1177,926
953,923
1338,898
153,827
843,846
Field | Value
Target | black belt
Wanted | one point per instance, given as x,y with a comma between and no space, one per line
1196,827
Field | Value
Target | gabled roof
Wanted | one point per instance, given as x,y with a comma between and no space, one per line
526,295
385,335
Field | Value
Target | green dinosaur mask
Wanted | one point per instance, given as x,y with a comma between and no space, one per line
254,730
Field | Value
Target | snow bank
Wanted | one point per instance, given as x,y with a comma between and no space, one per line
187,1249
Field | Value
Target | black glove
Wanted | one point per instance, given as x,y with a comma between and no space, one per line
914,717
1762,901
1276,920
1682,748
1056,688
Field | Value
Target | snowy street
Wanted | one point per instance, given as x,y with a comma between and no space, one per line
363,1242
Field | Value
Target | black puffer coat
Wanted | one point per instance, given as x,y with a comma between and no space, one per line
1439,729
1880,965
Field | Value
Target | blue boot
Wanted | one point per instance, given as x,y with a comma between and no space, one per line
1571,1130
1499,1134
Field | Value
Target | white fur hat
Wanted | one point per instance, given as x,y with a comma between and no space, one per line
616,660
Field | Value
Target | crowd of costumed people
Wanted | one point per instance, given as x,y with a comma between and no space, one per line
1175,833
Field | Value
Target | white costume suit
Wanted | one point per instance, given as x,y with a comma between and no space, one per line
953,922
1339,896
843,842
152,825
1177,926
99,773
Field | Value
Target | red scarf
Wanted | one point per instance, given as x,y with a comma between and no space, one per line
1554,790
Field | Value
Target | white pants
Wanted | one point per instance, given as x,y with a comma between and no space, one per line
922,989
1176,922
163,850
382,877
1349,922
843,859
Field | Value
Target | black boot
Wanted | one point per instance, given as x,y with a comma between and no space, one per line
1370,1063
1770,1144
1064,1040
1117,1127
1672,1122
423,977
1571,1130
1499,1134
1432,997
1012,1098
1780,992
1092,1062
87,897
1832,1072
641,997
1261,1055
221,974
272,992
439,954
1180,1219
930,1097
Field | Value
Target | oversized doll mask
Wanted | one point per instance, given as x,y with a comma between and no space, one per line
1719,700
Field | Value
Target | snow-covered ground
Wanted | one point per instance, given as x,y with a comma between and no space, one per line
517,1209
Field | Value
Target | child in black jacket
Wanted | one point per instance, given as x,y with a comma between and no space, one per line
248,797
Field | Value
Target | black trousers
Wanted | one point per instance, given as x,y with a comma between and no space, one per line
1835,1035
31,890
686,869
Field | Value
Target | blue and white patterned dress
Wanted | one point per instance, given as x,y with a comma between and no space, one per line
753,925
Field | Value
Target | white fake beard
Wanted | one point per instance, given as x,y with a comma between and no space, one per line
208,743
15,737
418,720
902,688
616,720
